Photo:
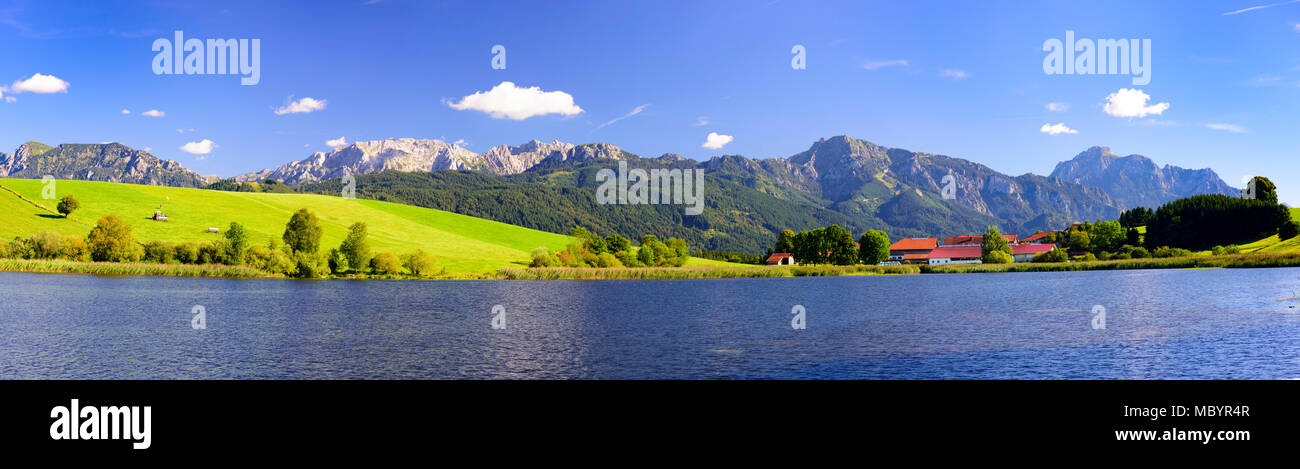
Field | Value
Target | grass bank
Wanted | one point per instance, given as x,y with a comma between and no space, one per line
133,268
698,272
1289,259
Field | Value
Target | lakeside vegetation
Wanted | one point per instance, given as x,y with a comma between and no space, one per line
64,266
700,272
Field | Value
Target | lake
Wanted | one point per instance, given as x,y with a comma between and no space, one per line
1216,323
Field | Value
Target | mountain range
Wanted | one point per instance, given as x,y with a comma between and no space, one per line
844,180
111,162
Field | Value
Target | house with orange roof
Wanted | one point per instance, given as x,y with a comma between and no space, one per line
912,250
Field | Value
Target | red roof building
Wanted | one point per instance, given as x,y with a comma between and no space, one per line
780,258
1038,238
967,240
1026,252
955,255
908,249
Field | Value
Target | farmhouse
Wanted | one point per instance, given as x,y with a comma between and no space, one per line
912,250
1026,252
781,258
955,255
975,240
1038,238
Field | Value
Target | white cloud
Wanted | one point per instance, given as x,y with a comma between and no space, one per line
338,142
41,84
715,141
153,113
10,99
954,74
460,142
701,121
1259,7
878,64
1058,107
181,131
1057,129
301,106
1296,27
633,112
199,148
1234,128
148,149
126,111
507,101
1132,103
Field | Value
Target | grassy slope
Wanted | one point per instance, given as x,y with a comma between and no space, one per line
1273,244
460,243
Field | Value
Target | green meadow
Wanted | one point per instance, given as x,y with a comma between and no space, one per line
460,243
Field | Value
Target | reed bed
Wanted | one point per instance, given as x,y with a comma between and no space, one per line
698,272
1289,259
130,268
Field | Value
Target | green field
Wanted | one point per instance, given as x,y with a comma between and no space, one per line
460,243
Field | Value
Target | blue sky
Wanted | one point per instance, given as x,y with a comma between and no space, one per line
964,79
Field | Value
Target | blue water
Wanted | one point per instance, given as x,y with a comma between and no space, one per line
1223,323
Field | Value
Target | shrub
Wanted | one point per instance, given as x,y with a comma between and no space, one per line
186,253
998,257
1055,255
1166,251
1139,253
542,258
338,264
212,253
44,245
111,241
607,260
385,263
1288,230
418,263
161,252
310,265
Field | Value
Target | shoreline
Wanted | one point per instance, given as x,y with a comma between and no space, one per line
1252,260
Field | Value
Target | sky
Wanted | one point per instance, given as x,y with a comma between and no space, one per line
700,79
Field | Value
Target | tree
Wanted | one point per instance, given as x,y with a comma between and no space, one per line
784,242
1288,230
236,243
1106,236
67,205
873,247
355,248
646,256
1265,189
337,262
840,248
419,263
616,243
993,242
302,233
111,241
385,263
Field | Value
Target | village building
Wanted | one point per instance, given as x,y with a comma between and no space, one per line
781,258
955,255
1038,238
975,240
1026,252
912,250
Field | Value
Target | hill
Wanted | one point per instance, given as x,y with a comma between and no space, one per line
460,243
